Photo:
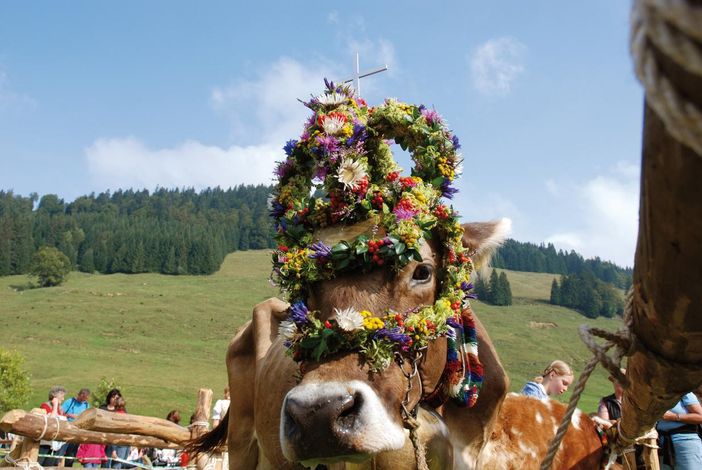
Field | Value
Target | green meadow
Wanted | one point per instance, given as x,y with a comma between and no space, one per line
163,337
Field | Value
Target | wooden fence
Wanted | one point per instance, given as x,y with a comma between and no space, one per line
102,427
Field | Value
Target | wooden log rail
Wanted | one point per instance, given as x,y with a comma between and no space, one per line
33,425
94,419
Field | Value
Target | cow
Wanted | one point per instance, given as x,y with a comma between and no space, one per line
283,414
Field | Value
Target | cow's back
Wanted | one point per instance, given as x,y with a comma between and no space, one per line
524,429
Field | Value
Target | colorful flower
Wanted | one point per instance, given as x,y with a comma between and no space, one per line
350,173
289,147
328,143
332,123
287,330
298,313
319,250
349,319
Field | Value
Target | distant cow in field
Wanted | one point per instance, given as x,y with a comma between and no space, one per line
337,411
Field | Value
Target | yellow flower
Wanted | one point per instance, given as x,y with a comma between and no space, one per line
373,323
366,314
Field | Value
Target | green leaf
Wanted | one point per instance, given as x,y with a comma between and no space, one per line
400,248
362,248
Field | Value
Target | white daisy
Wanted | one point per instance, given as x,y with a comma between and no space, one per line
332,124
349,319
331,99
287,330
350,173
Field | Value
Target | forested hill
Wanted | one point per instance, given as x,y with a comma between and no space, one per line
167,231
174,231
519,256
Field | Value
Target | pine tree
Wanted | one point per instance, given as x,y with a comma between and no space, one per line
481,289
555,293
496,295
505,289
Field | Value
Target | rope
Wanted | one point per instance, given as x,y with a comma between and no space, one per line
624,342
23,462
199,423
58,427
46,425
409,418
673,27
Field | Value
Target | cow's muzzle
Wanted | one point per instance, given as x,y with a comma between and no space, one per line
336,421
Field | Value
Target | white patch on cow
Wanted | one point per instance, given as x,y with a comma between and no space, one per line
575,419
378,431
530,451
539,419
555,429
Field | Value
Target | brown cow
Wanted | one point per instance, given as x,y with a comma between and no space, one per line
338,411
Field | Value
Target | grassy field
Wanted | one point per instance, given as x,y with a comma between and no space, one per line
163,337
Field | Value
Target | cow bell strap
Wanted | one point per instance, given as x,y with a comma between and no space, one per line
462,378
409,417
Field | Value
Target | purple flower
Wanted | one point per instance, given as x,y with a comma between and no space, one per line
283,167
359,134
431,116
446,190
321,172
289,147
454,141
328,143
320,250
277,209
466,286
404,214
393,334
298,313
329,84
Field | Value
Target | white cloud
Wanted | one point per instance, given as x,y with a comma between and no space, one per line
609,205
128,163
333,17
496,64
266,109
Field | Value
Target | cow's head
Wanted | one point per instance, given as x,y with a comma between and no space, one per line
341,410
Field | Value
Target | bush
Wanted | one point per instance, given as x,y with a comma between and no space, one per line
14,382
50,266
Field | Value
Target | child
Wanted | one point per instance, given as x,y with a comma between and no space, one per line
91,455
554,381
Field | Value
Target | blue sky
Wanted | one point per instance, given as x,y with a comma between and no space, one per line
107,95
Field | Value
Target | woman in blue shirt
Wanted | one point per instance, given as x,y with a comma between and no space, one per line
553,381
679,427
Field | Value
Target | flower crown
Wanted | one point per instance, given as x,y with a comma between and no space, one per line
342,205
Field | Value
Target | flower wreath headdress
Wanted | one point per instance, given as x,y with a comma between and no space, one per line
341,204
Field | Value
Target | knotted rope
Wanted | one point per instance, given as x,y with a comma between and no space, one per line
673,27
409,417
24,463
623,342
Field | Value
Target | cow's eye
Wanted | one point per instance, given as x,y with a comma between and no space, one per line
422,273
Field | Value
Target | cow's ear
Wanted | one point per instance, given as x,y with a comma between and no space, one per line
483,238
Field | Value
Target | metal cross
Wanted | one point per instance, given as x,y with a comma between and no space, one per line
358,76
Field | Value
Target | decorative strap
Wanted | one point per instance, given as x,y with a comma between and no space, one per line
463,374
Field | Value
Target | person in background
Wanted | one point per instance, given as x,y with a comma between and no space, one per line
49,449
610,407
555,380
220,408
168,457
73,407
678,434
91,455
115,402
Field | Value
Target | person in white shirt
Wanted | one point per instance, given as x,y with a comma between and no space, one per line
220,408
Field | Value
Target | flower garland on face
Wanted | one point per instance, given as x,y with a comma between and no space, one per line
341,173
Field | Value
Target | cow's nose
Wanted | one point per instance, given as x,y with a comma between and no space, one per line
335,414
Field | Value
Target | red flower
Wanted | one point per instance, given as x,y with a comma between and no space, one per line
327,325
333,114
283,248
392,176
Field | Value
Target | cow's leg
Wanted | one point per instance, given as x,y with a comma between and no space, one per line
470,428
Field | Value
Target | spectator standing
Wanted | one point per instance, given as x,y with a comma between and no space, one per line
50,449
91,455
168,457
554,380
678,431
115,402
220,408
71,408
610,407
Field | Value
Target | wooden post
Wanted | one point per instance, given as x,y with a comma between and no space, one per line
200,423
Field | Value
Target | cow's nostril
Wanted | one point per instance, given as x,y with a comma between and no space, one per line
349,412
